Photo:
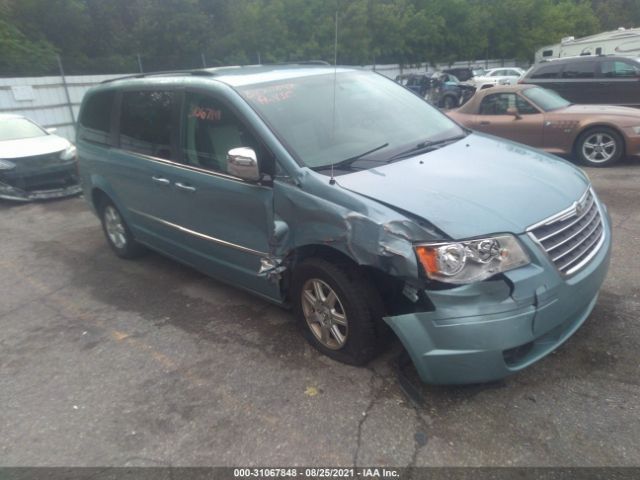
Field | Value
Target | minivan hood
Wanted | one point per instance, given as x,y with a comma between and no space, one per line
477,186
29,147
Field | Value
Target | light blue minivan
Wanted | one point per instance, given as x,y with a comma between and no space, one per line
345,197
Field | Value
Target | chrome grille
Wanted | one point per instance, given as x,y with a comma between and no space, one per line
573,236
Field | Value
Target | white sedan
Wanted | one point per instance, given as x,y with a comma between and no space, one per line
497,76
35,163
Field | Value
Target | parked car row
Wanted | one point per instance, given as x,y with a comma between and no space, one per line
442,89
452,87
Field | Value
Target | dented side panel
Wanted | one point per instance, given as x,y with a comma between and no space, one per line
315,211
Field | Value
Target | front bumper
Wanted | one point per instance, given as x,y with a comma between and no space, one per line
56,182
489,330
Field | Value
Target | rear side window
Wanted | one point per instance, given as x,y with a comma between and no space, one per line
146,122
547,71
547,53
95,120
619,69
579,70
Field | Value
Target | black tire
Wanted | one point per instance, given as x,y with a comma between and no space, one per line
129,248
359,300
608,156
449,102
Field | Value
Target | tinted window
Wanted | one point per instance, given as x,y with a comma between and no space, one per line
619,69
547,53
211,129
145,122
95,119
499,103
579,70
547,71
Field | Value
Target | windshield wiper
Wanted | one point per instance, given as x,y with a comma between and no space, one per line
348,161
424,146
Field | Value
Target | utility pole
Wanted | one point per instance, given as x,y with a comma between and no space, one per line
66,89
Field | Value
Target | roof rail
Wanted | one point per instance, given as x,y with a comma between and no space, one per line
197,72
303,62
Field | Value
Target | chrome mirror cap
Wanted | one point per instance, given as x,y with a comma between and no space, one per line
242,162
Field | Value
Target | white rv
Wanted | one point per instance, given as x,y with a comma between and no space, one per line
623,42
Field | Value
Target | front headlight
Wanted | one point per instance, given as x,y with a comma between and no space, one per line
6,165
636,130
69,153
471,260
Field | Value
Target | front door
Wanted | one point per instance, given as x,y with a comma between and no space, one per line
222,223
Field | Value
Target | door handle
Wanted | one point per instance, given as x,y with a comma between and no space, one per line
185,187
161,180
485,122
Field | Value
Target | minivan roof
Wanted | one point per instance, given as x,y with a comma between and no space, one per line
242,75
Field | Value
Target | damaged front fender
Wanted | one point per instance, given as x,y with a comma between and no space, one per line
317,212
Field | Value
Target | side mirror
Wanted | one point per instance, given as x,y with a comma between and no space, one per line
514,111
51,130
242,162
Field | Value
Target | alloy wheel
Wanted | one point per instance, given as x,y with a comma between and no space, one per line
599,147
324,314
115,227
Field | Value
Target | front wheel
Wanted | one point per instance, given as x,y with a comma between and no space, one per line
337,309
599,147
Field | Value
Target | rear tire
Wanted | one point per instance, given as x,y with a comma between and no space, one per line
599,147
117,233
338,310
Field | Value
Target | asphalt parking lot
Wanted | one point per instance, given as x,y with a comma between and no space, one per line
126,363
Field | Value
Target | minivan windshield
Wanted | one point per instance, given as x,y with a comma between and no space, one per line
17,128
374,119
546,99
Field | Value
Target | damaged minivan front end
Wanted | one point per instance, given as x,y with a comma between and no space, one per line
340,194
513,276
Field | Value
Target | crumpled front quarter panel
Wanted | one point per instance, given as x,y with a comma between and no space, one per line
316,212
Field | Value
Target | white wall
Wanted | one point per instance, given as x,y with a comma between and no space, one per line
44,100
